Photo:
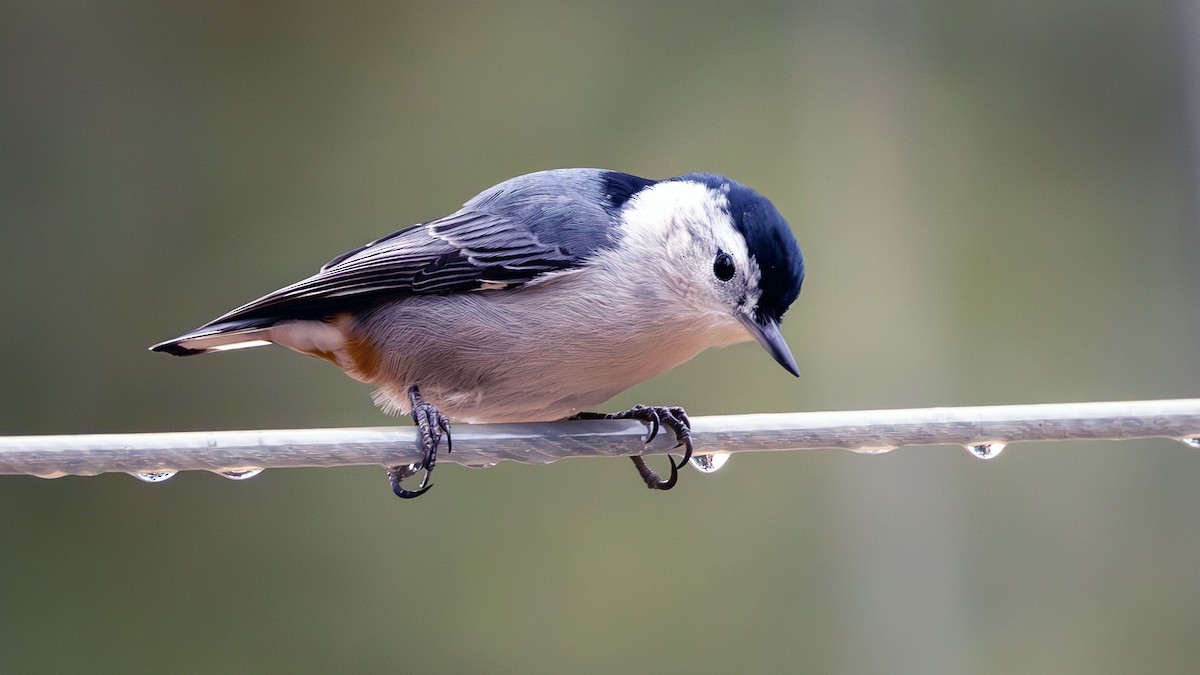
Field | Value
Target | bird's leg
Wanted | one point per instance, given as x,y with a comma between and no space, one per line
674,418
432,424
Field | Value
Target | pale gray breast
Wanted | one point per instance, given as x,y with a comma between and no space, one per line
537,353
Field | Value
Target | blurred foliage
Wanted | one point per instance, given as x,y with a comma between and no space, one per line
997,202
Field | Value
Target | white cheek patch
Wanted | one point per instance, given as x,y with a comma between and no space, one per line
686,215
675,229
667,207
677,217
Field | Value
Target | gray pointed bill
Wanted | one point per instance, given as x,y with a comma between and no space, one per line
768,335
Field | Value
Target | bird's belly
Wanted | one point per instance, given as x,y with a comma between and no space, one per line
514,385
497,358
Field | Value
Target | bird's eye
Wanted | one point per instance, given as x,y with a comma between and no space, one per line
723,266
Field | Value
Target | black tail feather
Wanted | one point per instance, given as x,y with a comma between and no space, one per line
214,330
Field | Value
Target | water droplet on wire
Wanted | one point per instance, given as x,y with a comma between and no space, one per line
873,449
985,450
711,462
241,474
153,476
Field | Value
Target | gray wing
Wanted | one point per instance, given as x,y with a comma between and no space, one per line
507,236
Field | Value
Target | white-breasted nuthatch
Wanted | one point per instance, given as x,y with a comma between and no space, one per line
541,297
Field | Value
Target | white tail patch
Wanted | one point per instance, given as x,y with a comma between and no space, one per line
239,345
220,342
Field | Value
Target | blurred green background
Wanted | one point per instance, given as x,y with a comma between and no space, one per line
997,202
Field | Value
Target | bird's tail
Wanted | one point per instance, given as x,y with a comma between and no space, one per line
219,337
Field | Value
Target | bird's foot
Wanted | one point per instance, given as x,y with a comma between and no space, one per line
432,425
672,417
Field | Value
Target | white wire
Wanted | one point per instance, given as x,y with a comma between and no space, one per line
984,430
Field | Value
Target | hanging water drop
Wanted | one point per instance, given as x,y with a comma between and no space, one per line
711,462
153,476
241,474
873,449
985,450
1191,442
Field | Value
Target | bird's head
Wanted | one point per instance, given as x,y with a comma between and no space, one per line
731,252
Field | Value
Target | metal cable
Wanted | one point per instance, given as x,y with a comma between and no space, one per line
238,454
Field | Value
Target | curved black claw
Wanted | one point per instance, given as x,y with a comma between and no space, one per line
672,417
432,425
651,477
676,419
649,415
399,473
